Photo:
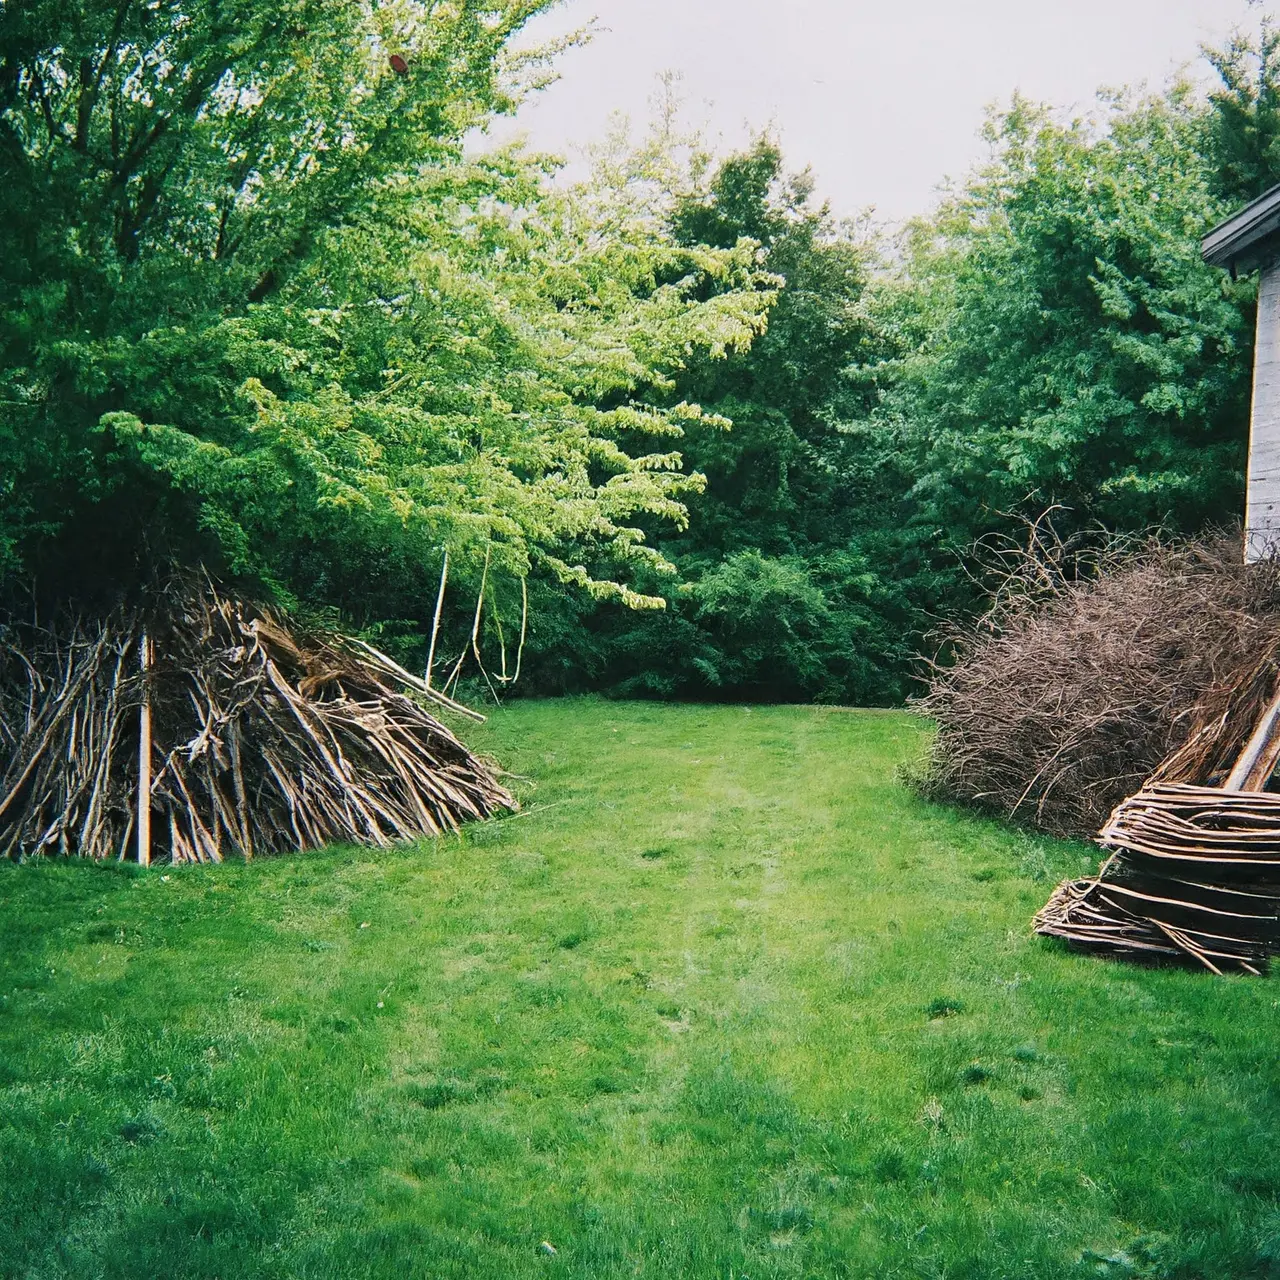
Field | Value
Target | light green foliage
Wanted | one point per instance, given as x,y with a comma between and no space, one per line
268,316
453,399
780,598
726,1000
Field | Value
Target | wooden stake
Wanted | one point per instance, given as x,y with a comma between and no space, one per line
524,623
474,644
435,624
502,645
1244,774
144,755
475,626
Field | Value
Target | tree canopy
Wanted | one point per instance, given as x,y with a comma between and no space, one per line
1047,336
263,308
264,314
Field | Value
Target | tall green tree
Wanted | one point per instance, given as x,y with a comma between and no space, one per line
778,596
1048,335
261,313
1243,134
1073,346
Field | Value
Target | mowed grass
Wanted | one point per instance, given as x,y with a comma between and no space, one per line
726,1001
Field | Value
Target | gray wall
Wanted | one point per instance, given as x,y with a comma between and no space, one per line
1262,516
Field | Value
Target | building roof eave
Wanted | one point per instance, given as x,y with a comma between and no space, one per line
1248,239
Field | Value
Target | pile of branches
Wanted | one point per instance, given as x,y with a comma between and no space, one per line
1195,877
203,726
1194,874
1094,662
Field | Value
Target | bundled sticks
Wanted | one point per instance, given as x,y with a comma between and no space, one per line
1194,875
205,727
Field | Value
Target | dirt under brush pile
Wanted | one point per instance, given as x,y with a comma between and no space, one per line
205,726
1089,670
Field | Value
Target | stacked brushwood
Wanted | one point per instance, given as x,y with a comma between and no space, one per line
1096,659
203,726
1128,690
1194,873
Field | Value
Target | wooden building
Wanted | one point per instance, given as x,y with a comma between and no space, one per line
1250,241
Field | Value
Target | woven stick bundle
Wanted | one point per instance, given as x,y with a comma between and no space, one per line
1194,874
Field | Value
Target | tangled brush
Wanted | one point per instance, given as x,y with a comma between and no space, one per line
204,726
1093,664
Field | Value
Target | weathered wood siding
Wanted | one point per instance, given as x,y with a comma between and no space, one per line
1262,513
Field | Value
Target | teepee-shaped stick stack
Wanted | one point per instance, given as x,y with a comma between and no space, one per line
205,727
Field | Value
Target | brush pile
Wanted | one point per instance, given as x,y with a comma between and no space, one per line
1094,662
205,727
1194,875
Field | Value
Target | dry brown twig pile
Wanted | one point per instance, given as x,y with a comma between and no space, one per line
206,727
1133,688
1092,665
1194,878
1194,874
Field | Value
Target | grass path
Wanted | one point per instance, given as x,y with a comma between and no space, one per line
724,1002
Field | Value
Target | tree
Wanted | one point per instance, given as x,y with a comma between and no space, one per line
1244,118
775,598
1066,342
1049,335
266,317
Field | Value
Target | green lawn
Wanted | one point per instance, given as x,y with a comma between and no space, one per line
726,1001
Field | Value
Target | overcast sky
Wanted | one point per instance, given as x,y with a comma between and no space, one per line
884,98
